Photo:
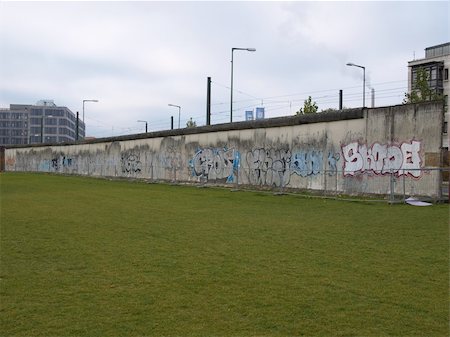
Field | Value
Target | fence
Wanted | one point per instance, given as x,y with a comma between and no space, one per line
390,186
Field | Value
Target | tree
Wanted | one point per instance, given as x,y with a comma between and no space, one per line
191,123
309,107
421,91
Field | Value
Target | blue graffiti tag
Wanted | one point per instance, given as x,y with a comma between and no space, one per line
306,163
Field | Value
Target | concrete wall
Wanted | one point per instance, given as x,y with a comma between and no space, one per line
350,151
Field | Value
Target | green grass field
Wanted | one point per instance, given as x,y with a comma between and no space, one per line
89,257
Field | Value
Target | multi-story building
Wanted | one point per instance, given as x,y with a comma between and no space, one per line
44,122
436,63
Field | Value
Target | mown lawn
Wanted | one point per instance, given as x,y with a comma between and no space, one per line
88,257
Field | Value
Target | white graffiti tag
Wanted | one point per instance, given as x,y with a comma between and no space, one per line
383,159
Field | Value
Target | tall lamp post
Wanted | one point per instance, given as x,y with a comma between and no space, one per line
231,99
146,125
364,80
179,112
88,100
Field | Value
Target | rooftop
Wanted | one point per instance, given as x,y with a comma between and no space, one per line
438,50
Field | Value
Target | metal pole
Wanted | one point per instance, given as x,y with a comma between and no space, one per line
146,127
78,126
179,112
340,99
83,110
171,122
364,81
208,101
231,99
364,87
404,186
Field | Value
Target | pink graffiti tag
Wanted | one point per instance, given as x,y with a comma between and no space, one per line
382,158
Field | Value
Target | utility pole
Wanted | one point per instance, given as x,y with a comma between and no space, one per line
208,101
78,127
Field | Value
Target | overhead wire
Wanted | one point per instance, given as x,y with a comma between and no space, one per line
275,103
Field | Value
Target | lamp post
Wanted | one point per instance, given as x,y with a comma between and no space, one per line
364,80
179,112
146,124
88,100
231,99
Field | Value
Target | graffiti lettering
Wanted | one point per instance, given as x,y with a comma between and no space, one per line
130,163
66,161
213,163
55,164
269,167
382,159
306,163
332,163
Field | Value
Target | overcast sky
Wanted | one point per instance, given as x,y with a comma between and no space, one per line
137,57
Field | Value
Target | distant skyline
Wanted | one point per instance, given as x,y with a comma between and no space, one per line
135,58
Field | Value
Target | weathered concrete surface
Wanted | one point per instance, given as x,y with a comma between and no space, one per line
353,151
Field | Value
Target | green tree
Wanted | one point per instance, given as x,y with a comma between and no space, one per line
421,90
309,107
191,123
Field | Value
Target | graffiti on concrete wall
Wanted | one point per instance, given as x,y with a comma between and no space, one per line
215,163
10,162
57,164
170,159
130,163
306,163
312,162
274,167
269,166
333,158
382,159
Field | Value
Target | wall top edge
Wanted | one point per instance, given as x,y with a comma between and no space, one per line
322,117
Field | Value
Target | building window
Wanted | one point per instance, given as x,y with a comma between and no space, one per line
446,74
51,121
36,112
34,120
51,130
35,139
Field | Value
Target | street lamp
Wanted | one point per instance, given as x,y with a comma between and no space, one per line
146,124
88,100
364,80
179,112
231,99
